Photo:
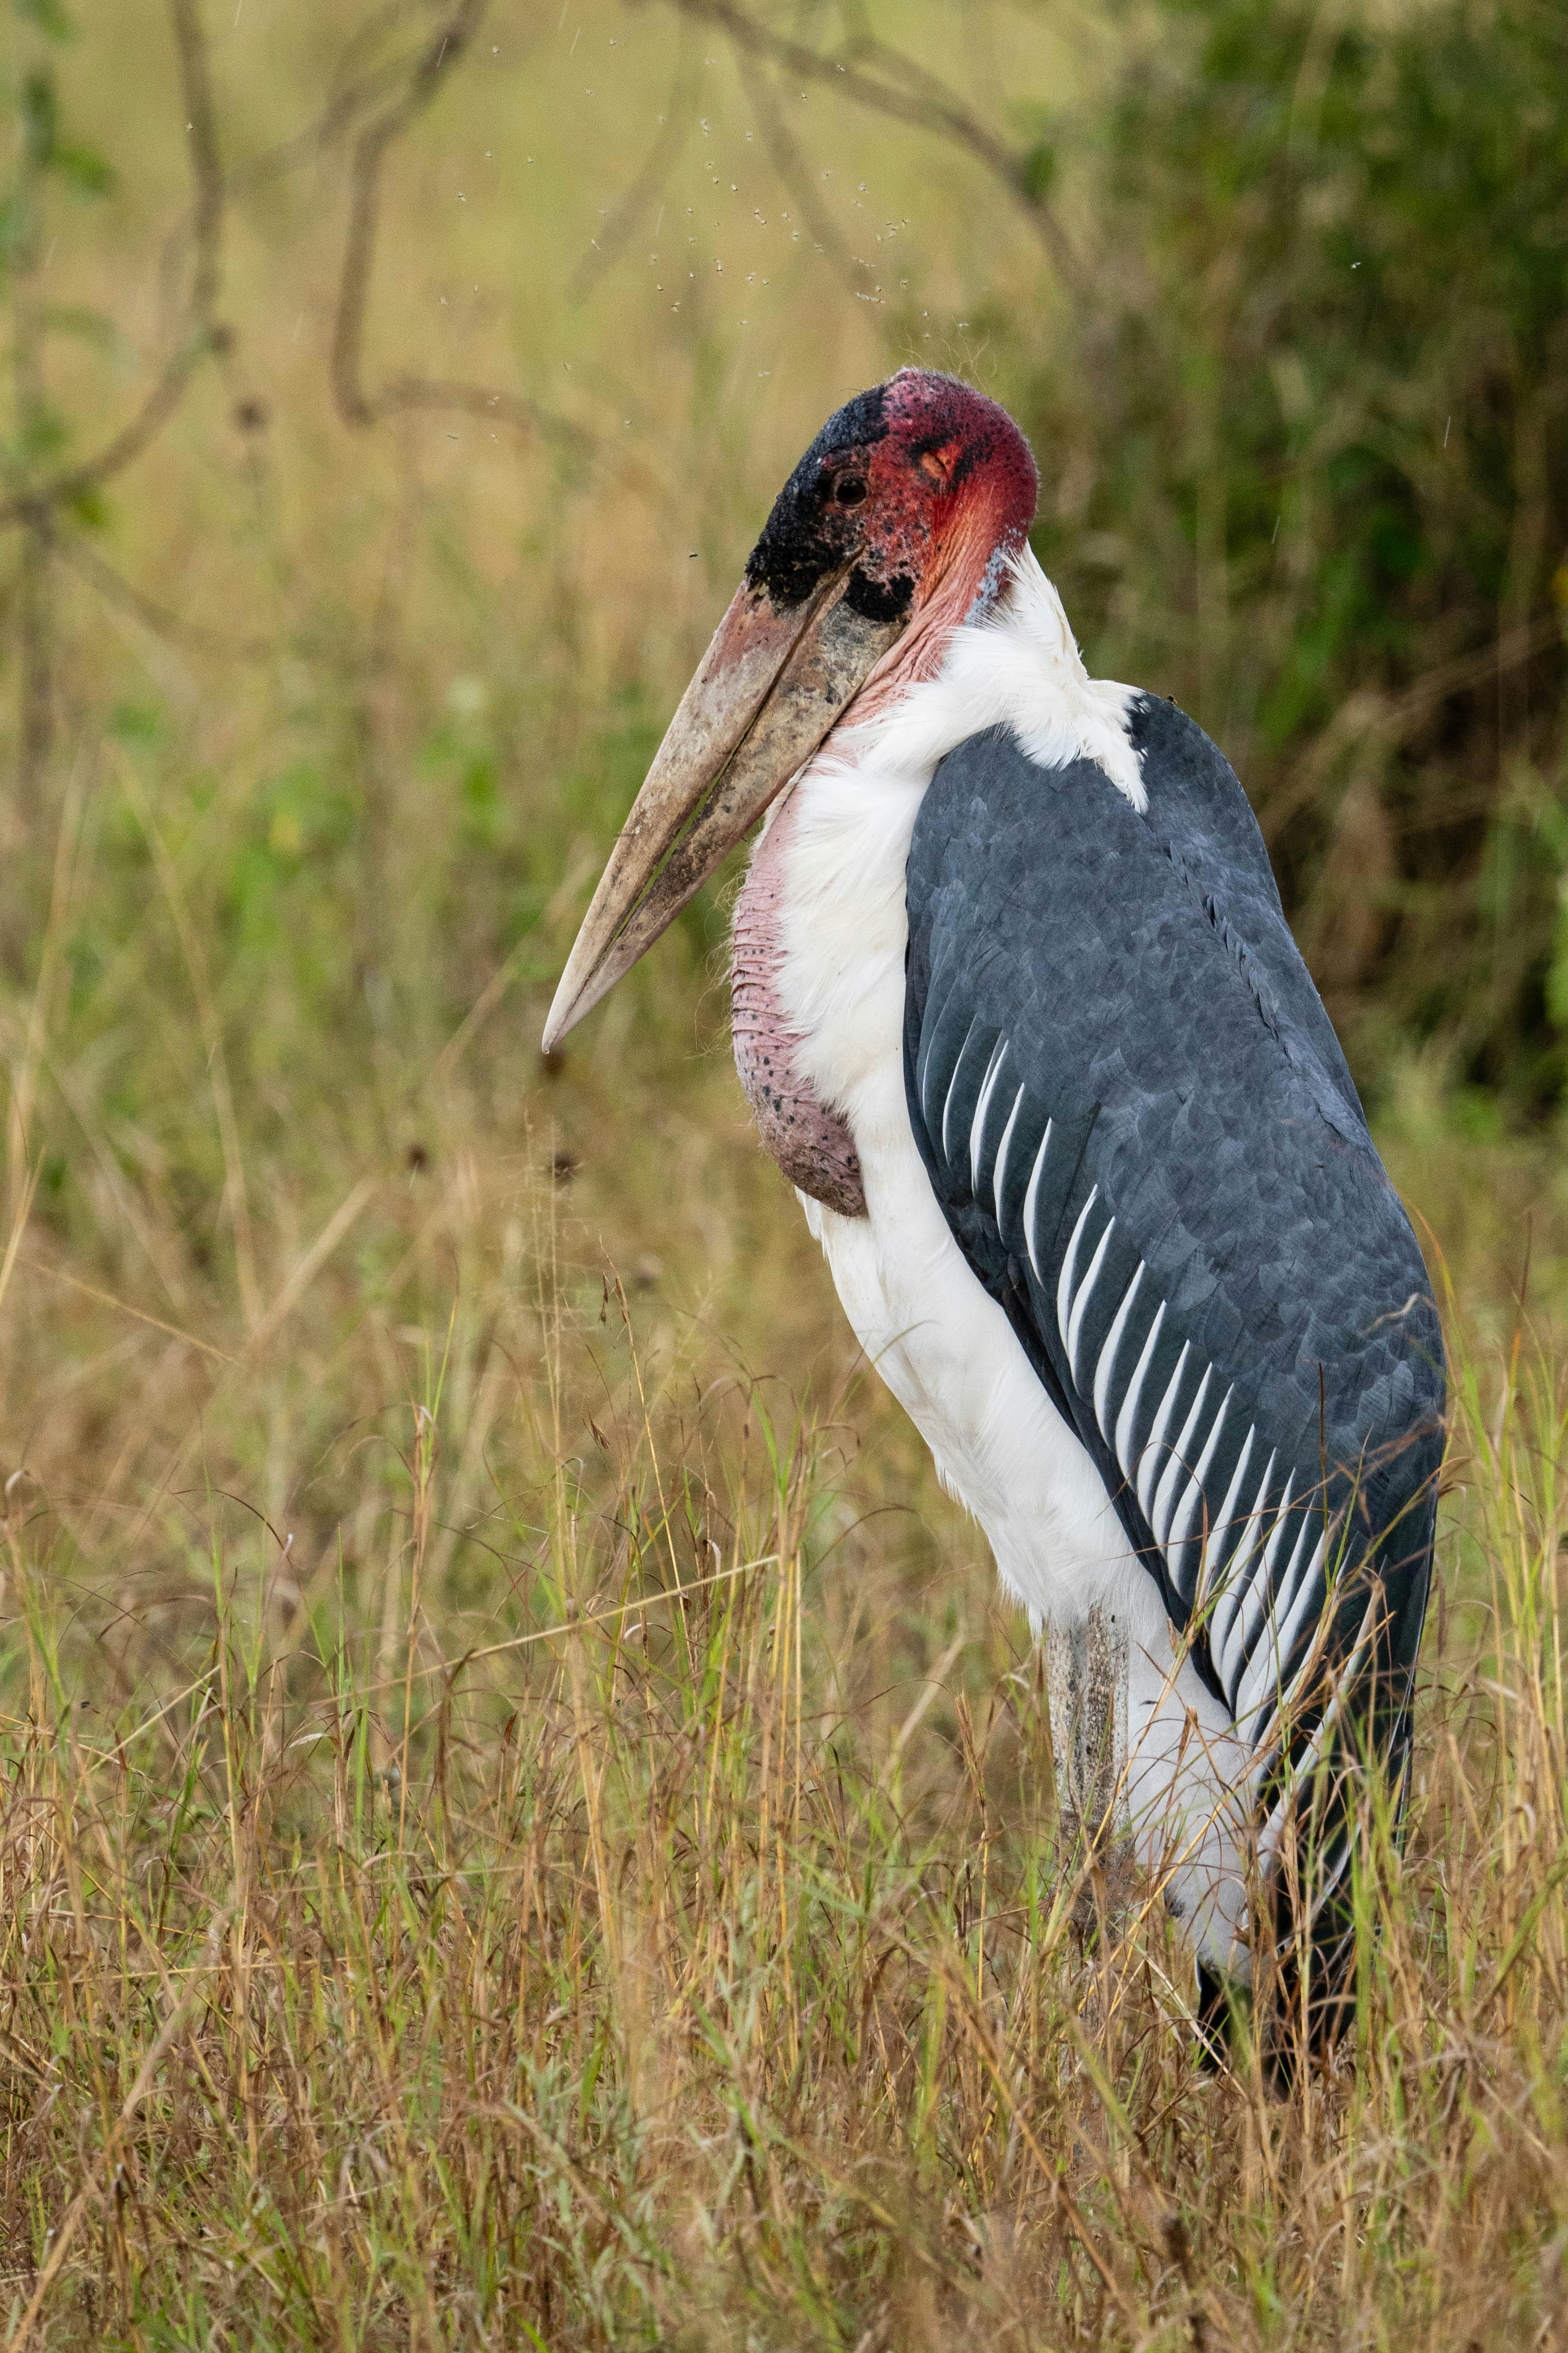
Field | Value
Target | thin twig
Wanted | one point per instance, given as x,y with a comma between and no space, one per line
791,168
199,333
357,406
345,107
207,162
924,102
123,1307
84,559
575,1625
656,166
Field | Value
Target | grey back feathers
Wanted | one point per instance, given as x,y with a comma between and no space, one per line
1145,1139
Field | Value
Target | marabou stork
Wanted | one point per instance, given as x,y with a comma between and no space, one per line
1020,1015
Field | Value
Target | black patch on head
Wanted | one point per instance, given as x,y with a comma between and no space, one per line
879,600
806,537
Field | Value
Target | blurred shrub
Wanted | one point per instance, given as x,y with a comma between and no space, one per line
1311,479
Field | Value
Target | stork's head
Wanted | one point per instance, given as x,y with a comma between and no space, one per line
893,530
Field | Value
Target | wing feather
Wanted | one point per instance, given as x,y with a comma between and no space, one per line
977,1124
1140,1125
1149,1455
1126,1420
1105,1363
999,1174
1031,1199
952,1083
1178,1536
1067,1280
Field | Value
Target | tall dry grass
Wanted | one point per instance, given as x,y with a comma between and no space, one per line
666,1934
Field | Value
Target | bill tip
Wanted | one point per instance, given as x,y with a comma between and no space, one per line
559,1018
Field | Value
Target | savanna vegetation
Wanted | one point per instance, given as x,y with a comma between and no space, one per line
523,1818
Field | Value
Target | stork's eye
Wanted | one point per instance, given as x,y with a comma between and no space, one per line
849,491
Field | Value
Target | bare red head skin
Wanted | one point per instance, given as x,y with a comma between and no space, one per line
894,528
926,486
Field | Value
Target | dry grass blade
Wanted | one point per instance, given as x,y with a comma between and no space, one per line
169,2033
597,1990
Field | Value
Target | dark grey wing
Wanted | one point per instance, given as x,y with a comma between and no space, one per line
1145,1137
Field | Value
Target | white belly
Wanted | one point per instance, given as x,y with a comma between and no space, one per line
947,1351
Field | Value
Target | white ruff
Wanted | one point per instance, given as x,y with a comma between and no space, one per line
942,1343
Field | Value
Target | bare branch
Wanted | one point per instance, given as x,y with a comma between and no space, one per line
791,168
35,504
351,97
658,164
356,406
405,392
904,92
347,105
334,122
207,166
366,37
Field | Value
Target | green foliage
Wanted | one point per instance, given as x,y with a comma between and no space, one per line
49,15
1320,481
37,432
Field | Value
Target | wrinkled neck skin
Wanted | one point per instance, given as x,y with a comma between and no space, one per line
817,974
